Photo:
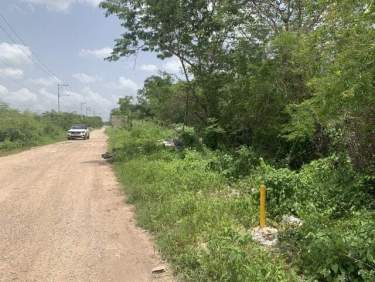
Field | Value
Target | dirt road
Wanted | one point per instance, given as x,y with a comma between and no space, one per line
63,218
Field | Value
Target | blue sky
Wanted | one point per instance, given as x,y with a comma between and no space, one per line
68,39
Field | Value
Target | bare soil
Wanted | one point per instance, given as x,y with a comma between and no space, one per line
63,218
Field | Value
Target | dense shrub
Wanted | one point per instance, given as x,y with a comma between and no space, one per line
337,239
144,138
18,130
200,223
200,205
234,164
334,251
187,136
214,135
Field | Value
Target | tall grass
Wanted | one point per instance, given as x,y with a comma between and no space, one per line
200,205
201,225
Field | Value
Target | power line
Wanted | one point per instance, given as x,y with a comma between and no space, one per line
59,94
83,103
33,56
7,33
24,43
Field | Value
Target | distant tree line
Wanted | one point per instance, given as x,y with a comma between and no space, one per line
25,129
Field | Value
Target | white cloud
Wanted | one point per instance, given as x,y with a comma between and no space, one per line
11,73
3,90
94,3
41,99
124,83
95,99
44,81
58,5
15,54
97,53
172,65
97,102
21,99
47,96
23,95
122,87
149,68
85,78
47,101
26,99
62,5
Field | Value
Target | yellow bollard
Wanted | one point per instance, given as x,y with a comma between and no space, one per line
262,207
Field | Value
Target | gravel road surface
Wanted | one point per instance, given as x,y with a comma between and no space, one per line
63,218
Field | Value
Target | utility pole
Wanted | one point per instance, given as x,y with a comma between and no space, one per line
87,110
59,94
82,109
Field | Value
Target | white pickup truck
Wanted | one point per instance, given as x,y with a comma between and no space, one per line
78,131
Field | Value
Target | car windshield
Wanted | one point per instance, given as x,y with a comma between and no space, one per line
79,126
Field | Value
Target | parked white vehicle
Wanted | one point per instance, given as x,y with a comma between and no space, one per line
78,131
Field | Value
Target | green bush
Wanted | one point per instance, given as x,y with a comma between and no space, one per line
200,223
326,186
343,250
235,164
213,135
337,239
144,139
188,136
201,204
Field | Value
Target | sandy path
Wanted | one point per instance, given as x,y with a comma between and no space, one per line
63,218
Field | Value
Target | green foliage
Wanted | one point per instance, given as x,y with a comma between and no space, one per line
328,187
199,222
334,251
19,130
214,135
336,241
145,138
291,81
235,164
302,123
232,250
284,72
200,204
188,136
164,99
343,87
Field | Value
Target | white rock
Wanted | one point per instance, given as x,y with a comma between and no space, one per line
168,143
266,236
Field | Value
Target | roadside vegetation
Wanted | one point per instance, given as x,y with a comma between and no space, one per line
201,205
280,92
20,130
